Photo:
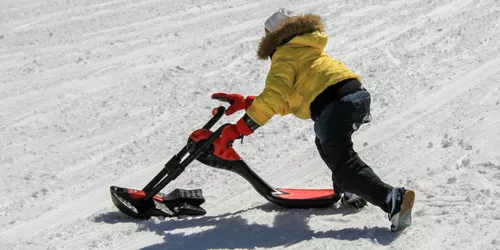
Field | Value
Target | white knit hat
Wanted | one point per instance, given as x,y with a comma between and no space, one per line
275,20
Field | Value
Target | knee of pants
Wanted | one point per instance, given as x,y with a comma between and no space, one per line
349,170
338,153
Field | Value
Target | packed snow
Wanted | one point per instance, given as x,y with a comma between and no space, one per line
98,93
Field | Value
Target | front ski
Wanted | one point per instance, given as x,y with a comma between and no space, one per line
179,202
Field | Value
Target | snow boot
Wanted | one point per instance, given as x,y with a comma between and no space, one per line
401,205
353,200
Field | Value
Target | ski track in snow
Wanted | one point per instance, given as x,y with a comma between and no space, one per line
96,93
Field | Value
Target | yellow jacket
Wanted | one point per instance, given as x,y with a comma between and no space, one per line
299,72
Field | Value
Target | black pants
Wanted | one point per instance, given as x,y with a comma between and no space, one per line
334,128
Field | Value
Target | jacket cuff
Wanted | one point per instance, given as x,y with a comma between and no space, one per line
257,116
246,125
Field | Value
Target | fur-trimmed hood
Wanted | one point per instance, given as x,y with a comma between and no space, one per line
293,26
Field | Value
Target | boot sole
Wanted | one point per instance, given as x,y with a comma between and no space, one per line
405,212
408,201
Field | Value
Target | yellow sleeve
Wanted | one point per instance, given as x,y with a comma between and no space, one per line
279,83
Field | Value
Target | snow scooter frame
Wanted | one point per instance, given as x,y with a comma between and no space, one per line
203,147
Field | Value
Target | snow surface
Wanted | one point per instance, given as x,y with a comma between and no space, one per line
97,93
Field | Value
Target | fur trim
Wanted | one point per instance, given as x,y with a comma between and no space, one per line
293,26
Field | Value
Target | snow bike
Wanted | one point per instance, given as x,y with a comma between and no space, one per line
203,147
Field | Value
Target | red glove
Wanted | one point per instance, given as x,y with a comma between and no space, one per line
237,101
235,131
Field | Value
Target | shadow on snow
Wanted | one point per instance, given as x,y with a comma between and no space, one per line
231,230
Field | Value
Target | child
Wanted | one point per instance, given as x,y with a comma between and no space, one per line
303,80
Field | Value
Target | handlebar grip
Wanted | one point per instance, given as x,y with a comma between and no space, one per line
217,113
